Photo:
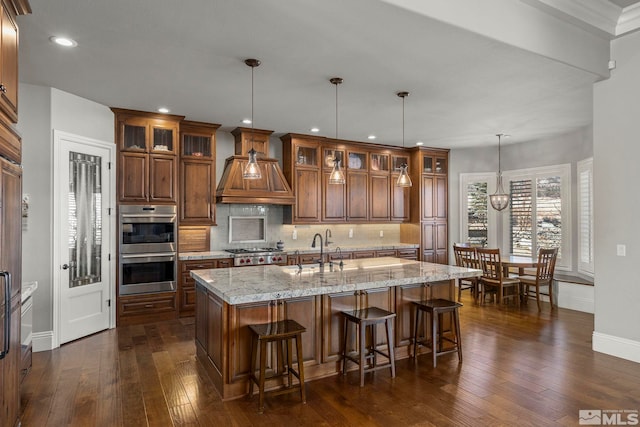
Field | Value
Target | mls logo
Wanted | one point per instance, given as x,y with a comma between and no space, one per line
590,417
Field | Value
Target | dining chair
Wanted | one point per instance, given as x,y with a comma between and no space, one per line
492,276
466,257
543,276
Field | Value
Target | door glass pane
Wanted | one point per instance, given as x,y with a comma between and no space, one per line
477,211
85,219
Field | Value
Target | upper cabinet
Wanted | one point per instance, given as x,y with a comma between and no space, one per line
369,194
9,63
147,160
197,184
247,138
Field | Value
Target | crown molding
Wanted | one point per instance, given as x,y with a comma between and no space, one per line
629,19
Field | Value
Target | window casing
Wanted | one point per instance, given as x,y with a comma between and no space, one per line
585,216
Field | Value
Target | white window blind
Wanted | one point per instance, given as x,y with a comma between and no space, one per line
539,212
585,216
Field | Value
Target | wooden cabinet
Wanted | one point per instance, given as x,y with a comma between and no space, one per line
369,194
187,285
407,254
147,159
197,173
9,63
10,261
434,242
247,138
143,308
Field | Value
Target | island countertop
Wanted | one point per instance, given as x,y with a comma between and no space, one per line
241,285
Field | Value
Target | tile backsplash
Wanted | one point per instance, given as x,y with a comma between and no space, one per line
361,233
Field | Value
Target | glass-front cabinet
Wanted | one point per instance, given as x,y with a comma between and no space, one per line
357,161
306,156
379,163
198,146
330,154
434,164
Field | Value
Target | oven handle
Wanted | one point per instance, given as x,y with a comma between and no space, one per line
7,313
152,256
146,216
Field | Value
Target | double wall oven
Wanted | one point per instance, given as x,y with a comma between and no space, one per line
147,249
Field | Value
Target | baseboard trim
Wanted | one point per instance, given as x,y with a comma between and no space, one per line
42,341
616,346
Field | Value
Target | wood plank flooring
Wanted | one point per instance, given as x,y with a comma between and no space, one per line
520,368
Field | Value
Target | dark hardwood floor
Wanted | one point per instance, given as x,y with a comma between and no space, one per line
521,368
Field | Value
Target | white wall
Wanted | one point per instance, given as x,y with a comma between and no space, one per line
42,110
617,203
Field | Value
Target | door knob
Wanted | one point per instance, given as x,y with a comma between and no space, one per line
65,266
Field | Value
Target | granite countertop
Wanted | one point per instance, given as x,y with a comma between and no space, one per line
188,256
269,282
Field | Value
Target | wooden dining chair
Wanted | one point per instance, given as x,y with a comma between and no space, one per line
466,257
492,277
543,277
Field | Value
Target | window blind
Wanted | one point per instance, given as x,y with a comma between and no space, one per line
585,216
521,220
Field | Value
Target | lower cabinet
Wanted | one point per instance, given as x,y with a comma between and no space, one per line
143,308
187,285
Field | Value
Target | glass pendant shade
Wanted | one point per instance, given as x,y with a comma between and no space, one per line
337,174
499,200
252,170
404,180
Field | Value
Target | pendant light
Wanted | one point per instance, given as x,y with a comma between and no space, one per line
404,180
337,174
499,200
252,169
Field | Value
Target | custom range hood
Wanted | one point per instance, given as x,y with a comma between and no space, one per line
271,188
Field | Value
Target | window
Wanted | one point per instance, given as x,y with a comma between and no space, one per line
539,213
477,220
585,216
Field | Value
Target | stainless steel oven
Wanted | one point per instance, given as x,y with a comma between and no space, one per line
147,249
147,229
150,272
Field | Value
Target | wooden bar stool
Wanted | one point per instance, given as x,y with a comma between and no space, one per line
277,332
368,319
436,308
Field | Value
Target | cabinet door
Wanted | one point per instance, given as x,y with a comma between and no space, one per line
9,66
306,311
427,197
162,179
440,195
307,190
133,175
197,184
164,137
11,223
357,196
399,201
333,200
405,312
379,201
434,242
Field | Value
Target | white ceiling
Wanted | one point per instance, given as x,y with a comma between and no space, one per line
189,56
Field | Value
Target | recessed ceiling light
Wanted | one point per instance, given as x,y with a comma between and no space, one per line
246,121
419,143
371,137
163,110
315,130
63,41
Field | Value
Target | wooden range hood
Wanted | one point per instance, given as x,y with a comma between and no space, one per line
272,188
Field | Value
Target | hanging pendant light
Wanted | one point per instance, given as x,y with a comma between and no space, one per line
499,200
404,180
337,174
252,169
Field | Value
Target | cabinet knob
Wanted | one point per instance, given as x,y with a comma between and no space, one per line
3,88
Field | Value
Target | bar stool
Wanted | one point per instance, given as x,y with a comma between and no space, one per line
436,308
368,319
278,332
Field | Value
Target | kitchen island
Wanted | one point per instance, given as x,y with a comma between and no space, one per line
229,299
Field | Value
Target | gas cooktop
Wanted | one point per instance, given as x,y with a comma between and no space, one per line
251,250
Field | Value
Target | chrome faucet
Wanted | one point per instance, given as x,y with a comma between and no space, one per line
327,234
313,245
297,255
340,251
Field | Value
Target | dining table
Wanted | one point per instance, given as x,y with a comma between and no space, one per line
518,261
